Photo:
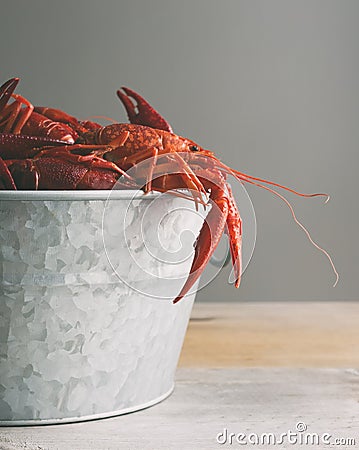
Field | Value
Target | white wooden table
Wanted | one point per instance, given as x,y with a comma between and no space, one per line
248,368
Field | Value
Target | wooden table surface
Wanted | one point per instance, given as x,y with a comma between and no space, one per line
245,368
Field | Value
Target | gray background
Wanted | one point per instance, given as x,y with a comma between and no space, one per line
271,86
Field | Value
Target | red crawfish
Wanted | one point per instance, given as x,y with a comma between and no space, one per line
45,148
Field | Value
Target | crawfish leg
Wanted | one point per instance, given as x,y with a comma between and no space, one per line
153,162
19,115
9,115
13,116
193,183
140,112
6,179
209,237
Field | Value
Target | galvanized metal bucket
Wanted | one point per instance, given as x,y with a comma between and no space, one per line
87,326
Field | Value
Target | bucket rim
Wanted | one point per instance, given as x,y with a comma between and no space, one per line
57,195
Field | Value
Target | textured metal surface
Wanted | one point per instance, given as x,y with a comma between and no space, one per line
75,339
91,417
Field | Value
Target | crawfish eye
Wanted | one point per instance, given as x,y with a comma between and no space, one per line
194,148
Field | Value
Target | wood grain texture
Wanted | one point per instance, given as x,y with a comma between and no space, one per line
273,334
301,356
205,401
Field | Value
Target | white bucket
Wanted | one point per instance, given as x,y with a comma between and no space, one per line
79,336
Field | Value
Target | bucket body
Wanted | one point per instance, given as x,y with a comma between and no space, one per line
87,324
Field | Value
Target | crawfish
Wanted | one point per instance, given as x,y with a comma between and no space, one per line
45,148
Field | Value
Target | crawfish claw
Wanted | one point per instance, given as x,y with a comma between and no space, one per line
6,91
209,237
140,112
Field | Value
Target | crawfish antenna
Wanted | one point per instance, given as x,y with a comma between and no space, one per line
258,182
301,226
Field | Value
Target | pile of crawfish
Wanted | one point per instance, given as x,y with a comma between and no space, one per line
45,148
